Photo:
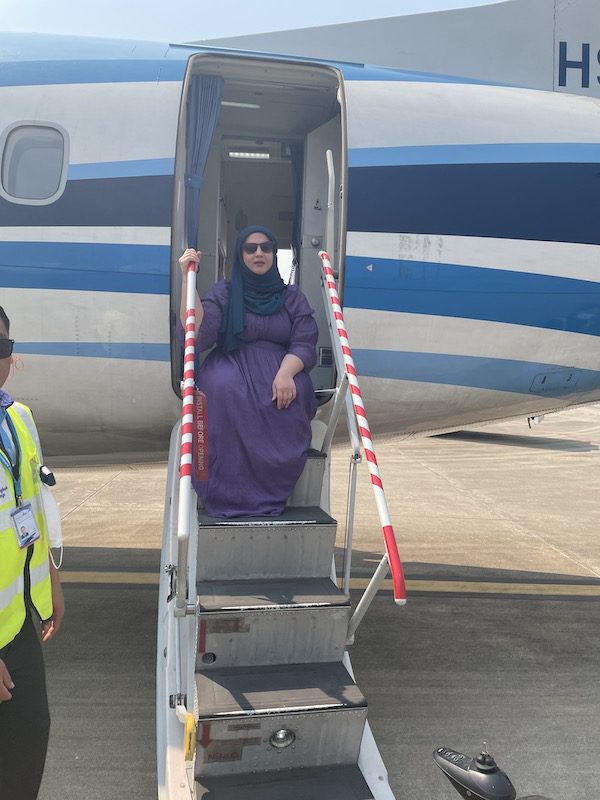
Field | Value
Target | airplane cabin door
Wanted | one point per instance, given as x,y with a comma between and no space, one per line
314,231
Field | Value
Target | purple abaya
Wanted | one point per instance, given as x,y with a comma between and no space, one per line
256,452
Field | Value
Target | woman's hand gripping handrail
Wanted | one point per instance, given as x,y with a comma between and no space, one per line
187,435
392,555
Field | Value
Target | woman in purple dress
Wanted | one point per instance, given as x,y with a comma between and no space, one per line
260,398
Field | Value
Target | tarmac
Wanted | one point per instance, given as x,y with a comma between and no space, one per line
498,531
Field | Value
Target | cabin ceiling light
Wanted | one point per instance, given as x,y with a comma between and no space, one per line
235,104
248,154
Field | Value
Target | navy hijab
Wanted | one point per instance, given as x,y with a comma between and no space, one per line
261,294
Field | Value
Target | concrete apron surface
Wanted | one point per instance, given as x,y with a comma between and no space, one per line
497,528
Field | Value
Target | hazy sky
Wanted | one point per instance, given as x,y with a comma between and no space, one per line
188,20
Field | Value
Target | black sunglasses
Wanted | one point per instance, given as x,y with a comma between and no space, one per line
266,247
6,347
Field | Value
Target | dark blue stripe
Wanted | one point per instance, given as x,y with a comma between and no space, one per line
42,73
147,351
502,375
87,267
142,200
135,351
448,290
550,202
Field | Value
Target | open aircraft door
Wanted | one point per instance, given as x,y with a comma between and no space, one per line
263,127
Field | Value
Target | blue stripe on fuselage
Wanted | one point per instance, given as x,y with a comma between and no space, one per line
549,202
449,290
134,351
128,201
44,73
502,375
67,71
497,153
85,266
122,169
498,374
41,59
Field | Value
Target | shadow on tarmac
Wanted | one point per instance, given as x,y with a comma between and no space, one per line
515,440
365,562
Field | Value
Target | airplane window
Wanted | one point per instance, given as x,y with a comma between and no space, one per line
34,164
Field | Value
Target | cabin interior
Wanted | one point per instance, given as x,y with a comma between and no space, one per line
266,164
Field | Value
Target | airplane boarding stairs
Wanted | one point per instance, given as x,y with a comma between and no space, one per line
256,698
270,697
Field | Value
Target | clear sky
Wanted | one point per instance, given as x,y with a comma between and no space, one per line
189,20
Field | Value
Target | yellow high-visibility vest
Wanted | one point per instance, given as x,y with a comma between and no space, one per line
15,567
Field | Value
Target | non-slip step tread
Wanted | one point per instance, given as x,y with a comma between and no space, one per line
281,689
318,783
263,594
291,515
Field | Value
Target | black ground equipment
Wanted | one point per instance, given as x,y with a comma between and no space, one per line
477,777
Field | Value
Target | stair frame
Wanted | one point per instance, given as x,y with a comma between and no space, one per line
179,657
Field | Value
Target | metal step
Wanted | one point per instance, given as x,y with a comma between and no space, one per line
297,544
246,623
321,783
307,491
317,708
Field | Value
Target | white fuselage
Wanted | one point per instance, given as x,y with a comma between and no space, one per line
466,228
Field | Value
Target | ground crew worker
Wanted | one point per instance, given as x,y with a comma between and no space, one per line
30,594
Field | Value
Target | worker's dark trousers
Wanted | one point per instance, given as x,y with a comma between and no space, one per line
24,720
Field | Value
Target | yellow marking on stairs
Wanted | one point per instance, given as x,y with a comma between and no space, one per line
416,586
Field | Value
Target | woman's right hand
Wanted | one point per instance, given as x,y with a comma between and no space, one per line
190,255
193,256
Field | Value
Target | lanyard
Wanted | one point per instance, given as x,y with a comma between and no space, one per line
5,449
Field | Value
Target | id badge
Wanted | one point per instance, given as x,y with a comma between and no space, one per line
25,526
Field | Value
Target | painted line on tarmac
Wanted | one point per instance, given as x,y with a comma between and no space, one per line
490,587
133,578
414,586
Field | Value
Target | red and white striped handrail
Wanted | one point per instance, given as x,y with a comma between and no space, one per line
187,435
391,546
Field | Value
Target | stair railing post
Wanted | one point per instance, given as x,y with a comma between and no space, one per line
187,428
392,558
349,537
368,596
341,397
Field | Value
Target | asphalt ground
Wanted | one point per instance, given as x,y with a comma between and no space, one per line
498,530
